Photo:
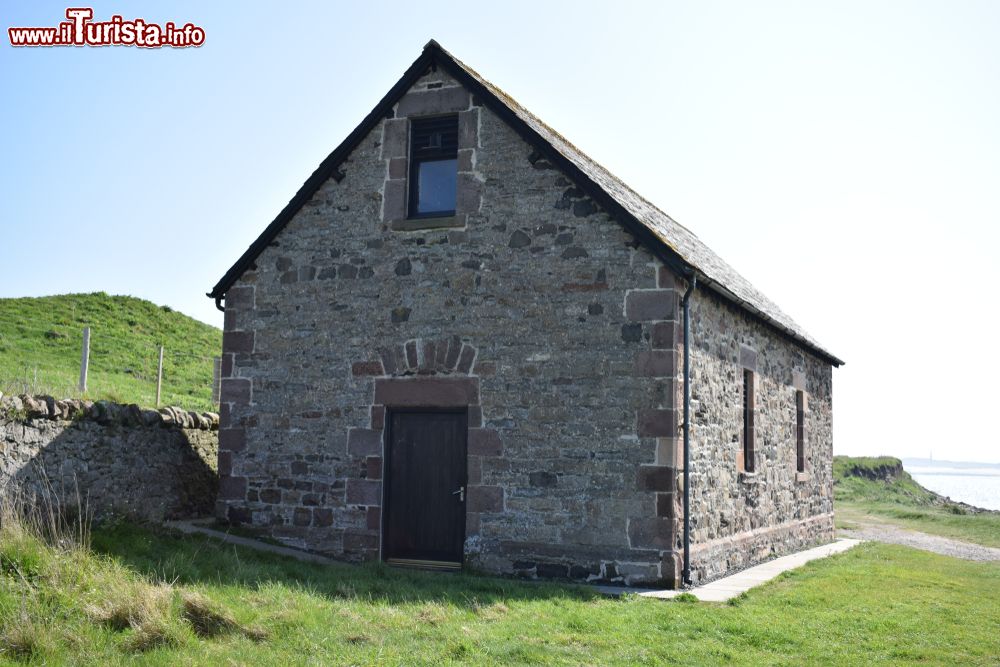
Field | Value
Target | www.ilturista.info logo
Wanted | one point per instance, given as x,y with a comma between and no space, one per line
80,30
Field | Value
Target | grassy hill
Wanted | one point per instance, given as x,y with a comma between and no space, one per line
879,487
41,338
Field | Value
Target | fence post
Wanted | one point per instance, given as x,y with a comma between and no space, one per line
159,377
85,359
216,379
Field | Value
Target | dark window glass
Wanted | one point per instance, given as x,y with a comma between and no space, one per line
800,431
433,166
436,182
748,431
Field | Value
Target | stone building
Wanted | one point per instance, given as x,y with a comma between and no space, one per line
462,342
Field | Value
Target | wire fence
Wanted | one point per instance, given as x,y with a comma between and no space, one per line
88,366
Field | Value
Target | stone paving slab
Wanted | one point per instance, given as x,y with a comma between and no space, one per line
196,526
729,587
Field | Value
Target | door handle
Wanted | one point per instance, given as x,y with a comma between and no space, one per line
460,493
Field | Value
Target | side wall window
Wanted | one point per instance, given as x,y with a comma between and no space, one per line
800,431
748,430
433,180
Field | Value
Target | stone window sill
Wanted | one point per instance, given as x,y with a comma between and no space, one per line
420,224
749,478
802,477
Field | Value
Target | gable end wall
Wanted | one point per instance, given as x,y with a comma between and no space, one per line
535,306
541,315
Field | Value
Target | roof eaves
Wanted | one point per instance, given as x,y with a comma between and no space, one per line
756,313
492,97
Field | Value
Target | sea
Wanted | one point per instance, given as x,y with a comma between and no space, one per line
973,483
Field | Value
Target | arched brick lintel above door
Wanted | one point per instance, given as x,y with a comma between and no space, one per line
398,385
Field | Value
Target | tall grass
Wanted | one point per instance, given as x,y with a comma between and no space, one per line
57,596
57,519
36,531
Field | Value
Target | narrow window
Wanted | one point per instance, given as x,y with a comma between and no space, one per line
800,431
748,435
433,166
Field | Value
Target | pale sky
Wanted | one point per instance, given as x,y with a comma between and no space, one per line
845,157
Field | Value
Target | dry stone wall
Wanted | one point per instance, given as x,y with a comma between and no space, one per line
115,459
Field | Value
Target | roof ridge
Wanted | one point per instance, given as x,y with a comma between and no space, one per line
671,242
511,101
678,238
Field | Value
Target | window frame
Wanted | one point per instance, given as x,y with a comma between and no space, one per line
749,458
800,431
428,155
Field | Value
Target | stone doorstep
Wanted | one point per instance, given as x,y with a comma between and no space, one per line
729,587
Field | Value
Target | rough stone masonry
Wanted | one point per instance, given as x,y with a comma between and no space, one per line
109,459
559,332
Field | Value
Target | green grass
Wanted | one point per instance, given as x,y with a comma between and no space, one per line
901,501
41,338
851,484
876,604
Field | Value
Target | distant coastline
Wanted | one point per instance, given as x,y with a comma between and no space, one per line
973,484
927,463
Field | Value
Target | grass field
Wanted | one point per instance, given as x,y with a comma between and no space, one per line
41,338
901,501
154,598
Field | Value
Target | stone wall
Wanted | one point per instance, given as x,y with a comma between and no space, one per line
740,518
116,459
531,308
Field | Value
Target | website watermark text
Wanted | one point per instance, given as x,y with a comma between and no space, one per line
81,30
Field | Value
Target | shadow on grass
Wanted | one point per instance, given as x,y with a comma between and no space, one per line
169,556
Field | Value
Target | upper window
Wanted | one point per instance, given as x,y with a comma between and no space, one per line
433,166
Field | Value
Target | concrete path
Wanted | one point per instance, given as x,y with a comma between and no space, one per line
725,588
198,526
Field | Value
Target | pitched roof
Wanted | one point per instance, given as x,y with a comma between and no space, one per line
670,241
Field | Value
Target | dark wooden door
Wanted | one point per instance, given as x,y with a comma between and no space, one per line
425,483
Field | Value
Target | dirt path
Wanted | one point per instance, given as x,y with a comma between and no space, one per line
869,528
